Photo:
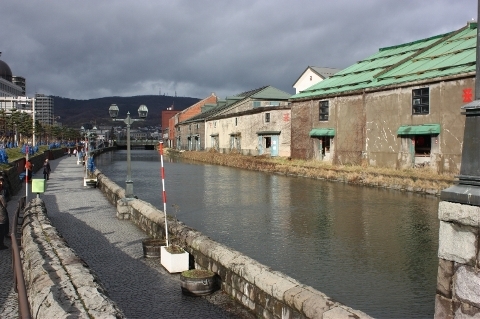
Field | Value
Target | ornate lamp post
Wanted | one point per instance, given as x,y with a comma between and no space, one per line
142,113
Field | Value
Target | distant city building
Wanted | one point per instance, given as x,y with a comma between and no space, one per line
9,85
44,109
20,81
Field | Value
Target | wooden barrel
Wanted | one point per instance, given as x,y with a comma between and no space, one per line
198,282
151,247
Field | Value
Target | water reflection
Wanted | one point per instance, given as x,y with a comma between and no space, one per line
372,249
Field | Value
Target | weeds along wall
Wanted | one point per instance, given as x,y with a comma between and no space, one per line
267,293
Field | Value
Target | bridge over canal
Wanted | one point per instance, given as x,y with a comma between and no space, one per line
137,144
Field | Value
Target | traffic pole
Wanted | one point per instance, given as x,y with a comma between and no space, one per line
164,194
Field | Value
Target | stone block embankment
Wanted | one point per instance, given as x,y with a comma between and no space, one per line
267,293
458,278
59,284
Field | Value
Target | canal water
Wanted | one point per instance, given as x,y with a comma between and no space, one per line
372,249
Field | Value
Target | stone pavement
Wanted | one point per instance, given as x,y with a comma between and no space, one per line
112,248
8,296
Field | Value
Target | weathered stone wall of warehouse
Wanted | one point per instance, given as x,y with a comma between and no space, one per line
366,125
387,110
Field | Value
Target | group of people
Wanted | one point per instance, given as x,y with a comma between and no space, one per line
46,170
74,152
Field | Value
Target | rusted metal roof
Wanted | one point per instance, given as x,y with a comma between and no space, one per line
439,56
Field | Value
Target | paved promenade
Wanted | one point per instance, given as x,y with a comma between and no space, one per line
112,248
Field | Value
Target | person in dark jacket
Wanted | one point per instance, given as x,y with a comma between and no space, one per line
3,225
46,169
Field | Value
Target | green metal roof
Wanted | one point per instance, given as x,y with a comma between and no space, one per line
322,132
439,56
265,92
424,129
271,93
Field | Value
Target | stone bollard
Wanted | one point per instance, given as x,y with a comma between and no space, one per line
123,209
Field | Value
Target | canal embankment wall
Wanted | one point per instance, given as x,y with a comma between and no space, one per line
17,167
266,292
59,284
416,180
458,278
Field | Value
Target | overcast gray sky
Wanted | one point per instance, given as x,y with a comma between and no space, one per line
85,49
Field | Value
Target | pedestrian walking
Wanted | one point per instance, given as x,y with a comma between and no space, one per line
69,153
75,152
3,225
46,169
28,167
3,203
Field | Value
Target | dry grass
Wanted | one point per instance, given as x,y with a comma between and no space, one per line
423,180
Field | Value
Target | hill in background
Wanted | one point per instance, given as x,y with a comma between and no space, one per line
74,113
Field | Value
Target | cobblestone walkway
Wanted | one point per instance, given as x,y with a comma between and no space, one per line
112,248
8,296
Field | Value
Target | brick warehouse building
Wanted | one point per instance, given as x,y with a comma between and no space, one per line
398,108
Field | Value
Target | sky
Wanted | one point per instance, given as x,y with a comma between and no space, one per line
97,48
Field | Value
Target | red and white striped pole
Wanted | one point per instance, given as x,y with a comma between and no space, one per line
164,194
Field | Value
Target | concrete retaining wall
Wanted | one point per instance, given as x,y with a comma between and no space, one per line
59,285
268,293
458,279
14,184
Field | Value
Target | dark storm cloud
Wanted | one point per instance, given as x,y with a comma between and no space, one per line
90,48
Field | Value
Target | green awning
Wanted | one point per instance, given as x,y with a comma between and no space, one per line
322,132
269,133
424,129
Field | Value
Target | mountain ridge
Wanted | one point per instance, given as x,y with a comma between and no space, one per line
74,113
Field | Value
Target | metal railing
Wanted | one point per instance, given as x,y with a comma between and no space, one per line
18,279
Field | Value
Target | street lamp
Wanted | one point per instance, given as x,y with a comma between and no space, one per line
142,113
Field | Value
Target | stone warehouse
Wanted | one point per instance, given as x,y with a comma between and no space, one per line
255,122
398,108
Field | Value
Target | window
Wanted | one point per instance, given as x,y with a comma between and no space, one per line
420,101
267,117
214,124
323,111
236,121
256,104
